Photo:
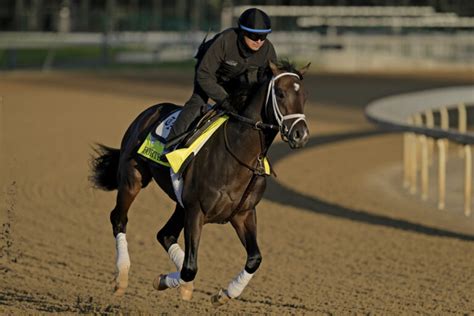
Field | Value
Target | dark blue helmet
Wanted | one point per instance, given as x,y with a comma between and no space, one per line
254,20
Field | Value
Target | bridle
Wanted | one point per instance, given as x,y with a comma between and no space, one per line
259,125
280,118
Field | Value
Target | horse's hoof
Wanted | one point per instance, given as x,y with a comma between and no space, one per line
121,283
159,283
119,291
186,291
220,298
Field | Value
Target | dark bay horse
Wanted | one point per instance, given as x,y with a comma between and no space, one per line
223,183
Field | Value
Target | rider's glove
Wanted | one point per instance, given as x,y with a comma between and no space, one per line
226,106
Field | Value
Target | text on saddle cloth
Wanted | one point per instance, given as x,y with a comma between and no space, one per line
153,147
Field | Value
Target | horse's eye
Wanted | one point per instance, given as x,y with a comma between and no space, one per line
279,93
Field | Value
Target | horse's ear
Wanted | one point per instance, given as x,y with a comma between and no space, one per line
274,68
304,69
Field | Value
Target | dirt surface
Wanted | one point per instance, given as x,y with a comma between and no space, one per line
338,233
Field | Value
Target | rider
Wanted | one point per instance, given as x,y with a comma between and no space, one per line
227,65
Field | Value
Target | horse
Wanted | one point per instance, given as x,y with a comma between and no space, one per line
223,183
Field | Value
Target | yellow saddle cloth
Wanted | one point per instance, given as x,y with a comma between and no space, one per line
153,148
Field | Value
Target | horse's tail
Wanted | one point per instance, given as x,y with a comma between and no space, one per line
105,167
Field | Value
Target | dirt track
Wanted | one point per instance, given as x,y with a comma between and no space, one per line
335,236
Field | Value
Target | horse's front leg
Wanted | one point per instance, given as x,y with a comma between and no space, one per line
168,238
245,224
169,234
193,222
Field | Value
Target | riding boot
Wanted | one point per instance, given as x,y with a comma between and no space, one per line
190,112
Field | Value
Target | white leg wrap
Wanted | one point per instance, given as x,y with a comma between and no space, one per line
123,260
176,255
237,285
173,280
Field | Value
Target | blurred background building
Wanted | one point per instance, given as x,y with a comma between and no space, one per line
334,34
159,15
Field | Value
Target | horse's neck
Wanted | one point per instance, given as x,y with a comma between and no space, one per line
256,107
255,142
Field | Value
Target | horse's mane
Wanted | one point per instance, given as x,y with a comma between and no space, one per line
287,66
240,100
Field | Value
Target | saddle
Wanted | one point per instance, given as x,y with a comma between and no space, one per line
156,148
179,157
204,122
184,152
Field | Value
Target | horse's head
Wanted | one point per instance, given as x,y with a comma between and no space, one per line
285,103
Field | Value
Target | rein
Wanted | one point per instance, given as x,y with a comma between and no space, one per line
260,169
259,125
255,124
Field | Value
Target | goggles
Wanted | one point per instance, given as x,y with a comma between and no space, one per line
256,36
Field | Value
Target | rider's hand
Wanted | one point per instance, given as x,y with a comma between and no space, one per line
226,106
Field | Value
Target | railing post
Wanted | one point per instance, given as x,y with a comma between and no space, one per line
441,173
467,179
430,124
424,168
406,160
407,157
462,124
418,122
445,124
413,163
417,154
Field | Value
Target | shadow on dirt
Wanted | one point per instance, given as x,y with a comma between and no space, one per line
278,193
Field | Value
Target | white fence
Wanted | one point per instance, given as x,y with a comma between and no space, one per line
413,113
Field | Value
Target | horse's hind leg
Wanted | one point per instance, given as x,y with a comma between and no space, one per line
131,180
168,238
245,225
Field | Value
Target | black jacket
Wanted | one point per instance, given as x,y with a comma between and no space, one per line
226,65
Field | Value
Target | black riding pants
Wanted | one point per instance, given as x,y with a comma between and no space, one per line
192,109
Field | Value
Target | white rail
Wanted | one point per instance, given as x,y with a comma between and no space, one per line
406,112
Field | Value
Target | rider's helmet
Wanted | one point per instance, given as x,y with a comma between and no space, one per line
255,22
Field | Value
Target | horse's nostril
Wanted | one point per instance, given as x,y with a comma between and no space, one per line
297,135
